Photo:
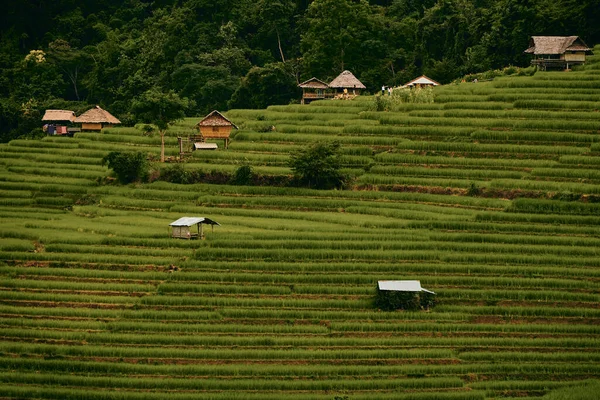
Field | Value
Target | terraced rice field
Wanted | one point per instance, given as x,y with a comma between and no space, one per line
489,196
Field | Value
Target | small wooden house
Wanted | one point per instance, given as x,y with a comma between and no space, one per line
557,52
216,126
183,227
421,82
314,89
405,295
57,122
347,83
96,119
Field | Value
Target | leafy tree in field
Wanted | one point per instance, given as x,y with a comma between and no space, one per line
129,167
318,166
161,109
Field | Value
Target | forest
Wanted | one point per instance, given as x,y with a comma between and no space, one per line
222,54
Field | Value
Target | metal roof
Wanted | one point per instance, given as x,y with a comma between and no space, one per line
205,146
402,286
189,221
422,80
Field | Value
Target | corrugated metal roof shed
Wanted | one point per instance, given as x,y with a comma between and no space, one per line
402,286
189,221
422,80
205,146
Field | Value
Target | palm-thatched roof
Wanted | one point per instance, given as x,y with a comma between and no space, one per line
215,118
422,80
314,83
556,45
346,80
97,115
58,115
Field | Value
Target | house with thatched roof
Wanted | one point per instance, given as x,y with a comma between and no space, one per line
215,126
56,121
347,83
421,82
557,52
314,89
58,116
96,119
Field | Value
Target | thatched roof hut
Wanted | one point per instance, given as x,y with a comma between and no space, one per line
95,118
346,80
58,116
556,45
216,126
557,52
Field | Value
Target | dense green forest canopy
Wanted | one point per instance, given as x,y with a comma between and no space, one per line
221,54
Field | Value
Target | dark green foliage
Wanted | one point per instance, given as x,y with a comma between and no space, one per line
252,53
318,166
264,86
129,167
389,300
177,174
242,176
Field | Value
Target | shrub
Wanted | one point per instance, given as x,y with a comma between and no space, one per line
242,176
318,166
129,167
176,174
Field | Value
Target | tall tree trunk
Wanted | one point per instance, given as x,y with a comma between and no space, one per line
279,44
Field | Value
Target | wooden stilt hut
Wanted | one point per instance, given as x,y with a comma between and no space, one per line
96,119
182,228
557,52
215,126
347,84
314,89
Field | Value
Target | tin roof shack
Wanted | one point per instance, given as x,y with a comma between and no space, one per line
58,122
557,52
95,119
183,227
421,82
314,89
403,295
216,126
347,84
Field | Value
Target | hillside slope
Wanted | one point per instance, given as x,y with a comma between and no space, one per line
488,196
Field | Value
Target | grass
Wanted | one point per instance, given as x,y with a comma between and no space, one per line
488,196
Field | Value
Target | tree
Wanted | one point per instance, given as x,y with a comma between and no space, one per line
70,60
335,34
318,166
264,86
129,167
161,109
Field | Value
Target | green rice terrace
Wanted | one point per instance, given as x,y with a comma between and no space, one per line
490,196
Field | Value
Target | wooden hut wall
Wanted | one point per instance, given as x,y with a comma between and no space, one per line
91,127
212,132
575,56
